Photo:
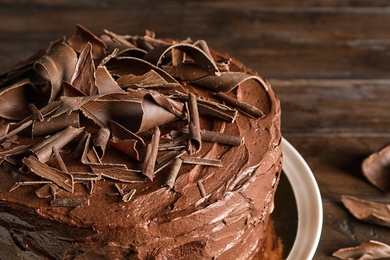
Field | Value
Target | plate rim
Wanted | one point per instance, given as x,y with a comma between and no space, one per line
310,218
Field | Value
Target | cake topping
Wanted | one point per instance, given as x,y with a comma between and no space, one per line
128,93
376,169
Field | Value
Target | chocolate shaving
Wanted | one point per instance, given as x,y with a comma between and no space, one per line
101,141
195,142
227,81
372,212
35,112
27,183
85,176
105,83
171,179
59,159
120,66
201,161
60,178
164,160
14,100
376,169
244,107
173,106
70,203
44,149
116,41
16,130
57,66
53,125
83,76
186,71
20,149
201,188
218,137
148,80
151,155
157,56
126,141
118,172
367,250
47,191
210,108
129,195
145,113
204,47
78,151
218,110
82,37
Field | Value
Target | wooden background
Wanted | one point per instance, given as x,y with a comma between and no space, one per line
329,62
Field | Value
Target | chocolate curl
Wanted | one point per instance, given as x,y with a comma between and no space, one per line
151,79
35,112
101,141
27,183
114,40
129,195
376,169
217,137
367,250
218,110
164,160
44,149
157,55
16,130
53,125
204,47
186,71
195,140
41,169
171,105
145,113
201,161
244,107
120,66
71,203
83,76
89,154
126,141
82,37
20,149
59,159
118,172
14,100
132,52
57,66
85,176
227,81
202,191
372,212
48,190
151,155
105,83
78,151
171,179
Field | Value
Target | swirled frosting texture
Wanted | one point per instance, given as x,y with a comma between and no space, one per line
136,89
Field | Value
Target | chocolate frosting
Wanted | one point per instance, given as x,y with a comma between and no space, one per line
127,194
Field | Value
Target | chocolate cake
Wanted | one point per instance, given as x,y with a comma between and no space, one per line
134,147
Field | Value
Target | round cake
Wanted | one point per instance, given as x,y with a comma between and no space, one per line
134,147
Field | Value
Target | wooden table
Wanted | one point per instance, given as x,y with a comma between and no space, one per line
329,62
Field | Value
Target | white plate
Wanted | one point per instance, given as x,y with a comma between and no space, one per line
309,203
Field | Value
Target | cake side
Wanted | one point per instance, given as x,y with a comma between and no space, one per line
215,211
